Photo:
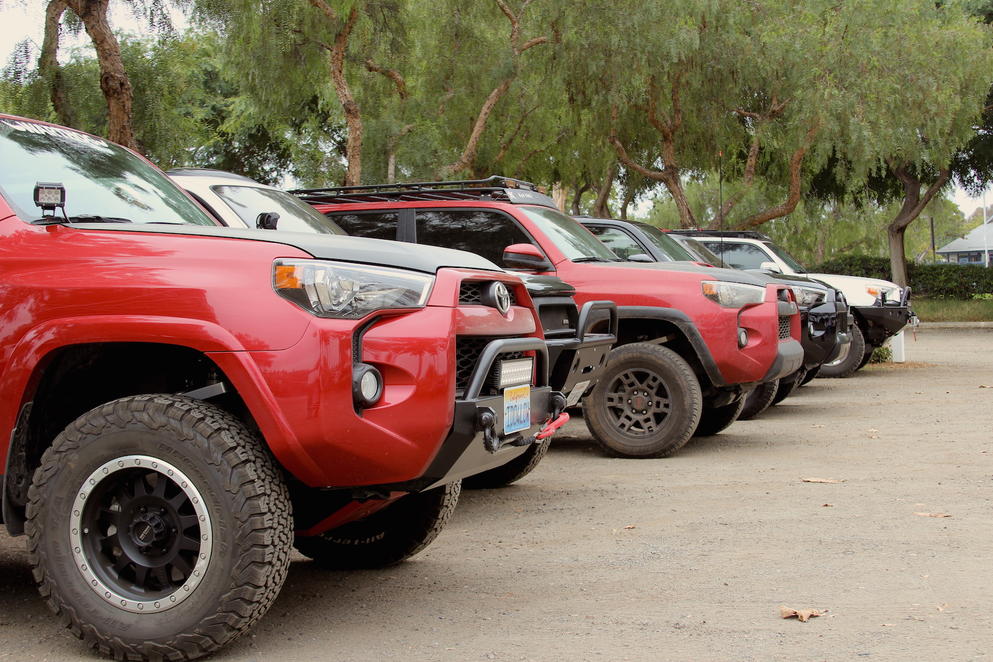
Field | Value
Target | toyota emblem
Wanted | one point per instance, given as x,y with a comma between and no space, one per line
498,296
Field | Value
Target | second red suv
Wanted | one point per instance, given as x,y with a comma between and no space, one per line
691,340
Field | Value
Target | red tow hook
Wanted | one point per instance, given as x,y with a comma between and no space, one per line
550,429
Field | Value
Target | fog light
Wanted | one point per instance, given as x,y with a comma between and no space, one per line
367,385
742,337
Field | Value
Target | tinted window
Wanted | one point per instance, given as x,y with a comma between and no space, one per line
620,242
375,225
294,216
740,256
100,178
481,232
568,235
666,244
786,257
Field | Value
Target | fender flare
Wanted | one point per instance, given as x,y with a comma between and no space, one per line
213,341
681,321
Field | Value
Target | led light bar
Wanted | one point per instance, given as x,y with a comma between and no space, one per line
512,373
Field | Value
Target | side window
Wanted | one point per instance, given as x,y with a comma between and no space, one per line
740,256
484,233
377,225
623,244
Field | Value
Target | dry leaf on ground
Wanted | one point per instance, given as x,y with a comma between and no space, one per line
629,527
932,514
985,386
803,615
822,480
827,505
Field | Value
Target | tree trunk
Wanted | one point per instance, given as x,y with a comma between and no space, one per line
577,198
629,194
913,204
467,158
559,196
353,114
48,63
600,205
114,81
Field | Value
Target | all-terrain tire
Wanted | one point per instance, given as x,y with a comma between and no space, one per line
717,419
759,400
869,349
193,483
810,375
511,472
787,385
388,536
850,359
647,402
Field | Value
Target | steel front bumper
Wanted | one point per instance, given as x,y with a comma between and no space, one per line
476,442
825,331
578,360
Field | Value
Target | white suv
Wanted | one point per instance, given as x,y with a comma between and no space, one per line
880,308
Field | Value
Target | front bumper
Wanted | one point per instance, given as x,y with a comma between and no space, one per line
578,360
883,320
825,330
789,358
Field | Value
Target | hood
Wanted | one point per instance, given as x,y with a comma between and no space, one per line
788,279
706,272
379,252
856,288
547,286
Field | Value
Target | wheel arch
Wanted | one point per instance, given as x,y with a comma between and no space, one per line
649,323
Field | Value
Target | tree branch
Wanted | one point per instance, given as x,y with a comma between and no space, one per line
793,193
392,74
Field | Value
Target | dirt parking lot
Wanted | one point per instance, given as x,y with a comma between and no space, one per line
687,558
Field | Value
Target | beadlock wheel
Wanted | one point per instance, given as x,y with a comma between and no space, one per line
140,534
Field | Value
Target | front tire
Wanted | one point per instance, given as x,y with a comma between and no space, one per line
511,472
388,536
647,402
759,399
850,358
158,527
718,419
787,385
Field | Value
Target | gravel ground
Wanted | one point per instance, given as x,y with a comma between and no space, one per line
687,558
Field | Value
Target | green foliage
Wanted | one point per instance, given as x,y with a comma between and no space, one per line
936,281
881,354
953,310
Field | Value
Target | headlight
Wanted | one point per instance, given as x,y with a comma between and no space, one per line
808,296
884,294
346,291
732,295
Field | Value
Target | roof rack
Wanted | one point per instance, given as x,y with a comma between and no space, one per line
501,189
738,234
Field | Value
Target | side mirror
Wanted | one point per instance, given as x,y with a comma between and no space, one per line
525,256
267,220
640,257
770,266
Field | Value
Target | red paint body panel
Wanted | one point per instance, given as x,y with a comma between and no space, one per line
62,286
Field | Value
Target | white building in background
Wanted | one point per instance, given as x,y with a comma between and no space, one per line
973,248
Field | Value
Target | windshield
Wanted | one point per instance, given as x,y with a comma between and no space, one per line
101,179
294,215
702,253
785,257
575,241
666,244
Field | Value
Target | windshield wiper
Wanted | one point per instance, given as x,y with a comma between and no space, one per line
592,258
80,218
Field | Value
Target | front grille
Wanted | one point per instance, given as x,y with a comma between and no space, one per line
784,327
471,293
467,352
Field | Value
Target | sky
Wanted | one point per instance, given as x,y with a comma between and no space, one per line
20,19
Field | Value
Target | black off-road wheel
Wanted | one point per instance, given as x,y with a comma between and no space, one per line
759,400
159,528
787,385
388,536
511,472
850,358
647,402
717,419
869,349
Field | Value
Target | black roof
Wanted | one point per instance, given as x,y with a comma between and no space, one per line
495,188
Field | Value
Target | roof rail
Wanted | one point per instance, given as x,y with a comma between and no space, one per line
739,234
503,189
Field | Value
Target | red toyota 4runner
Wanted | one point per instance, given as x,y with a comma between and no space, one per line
692,340
179,401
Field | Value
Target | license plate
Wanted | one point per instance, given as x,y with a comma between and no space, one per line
516,408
